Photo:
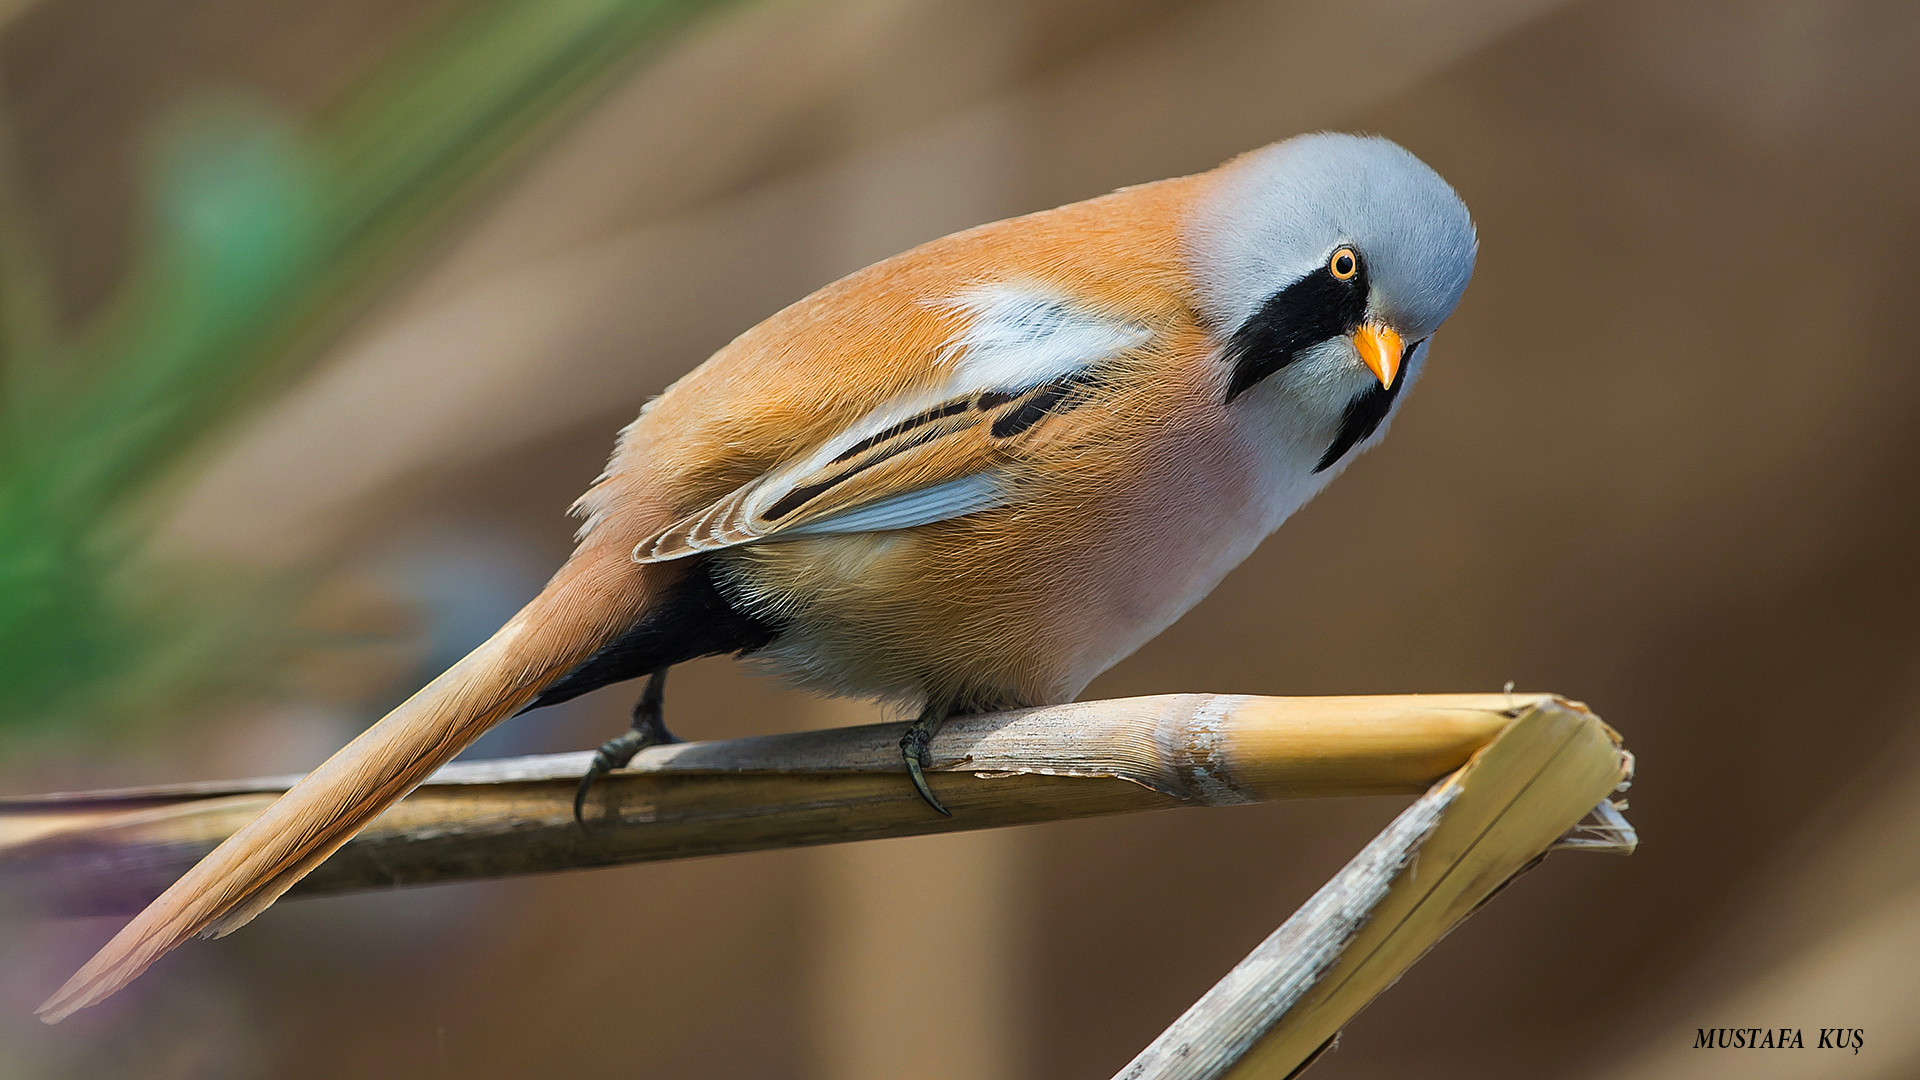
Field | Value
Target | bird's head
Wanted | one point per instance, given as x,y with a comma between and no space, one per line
1333,257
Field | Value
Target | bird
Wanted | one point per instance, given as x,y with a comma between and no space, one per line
969,477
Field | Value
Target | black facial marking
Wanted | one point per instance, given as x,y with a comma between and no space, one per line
1314,309
1364,413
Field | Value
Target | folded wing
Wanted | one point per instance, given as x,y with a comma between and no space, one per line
1022,366
943,461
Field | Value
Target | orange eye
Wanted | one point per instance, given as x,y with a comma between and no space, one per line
1344,264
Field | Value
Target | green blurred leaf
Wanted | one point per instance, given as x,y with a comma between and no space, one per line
263,239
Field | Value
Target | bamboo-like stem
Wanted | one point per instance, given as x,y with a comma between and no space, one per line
1284,1005
112,852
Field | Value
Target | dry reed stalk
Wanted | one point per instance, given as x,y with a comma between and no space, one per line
111,852
1519,797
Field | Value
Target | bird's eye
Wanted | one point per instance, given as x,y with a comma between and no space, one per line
1344,264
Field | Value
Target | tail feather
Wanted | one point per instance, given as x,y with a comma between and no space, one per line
590,601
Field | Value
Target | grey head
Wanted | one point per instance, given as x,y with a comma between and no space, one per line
1338,255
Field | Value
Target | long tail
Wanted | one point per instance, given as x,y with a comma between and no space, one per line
596,595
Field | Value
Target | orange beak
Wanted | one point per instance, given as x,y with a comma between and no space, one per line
1380,349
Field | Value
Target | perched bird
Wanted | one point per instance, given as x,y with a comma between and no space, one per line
970,477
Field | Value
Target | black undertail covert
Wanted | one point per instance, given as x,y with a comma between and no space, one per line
691,621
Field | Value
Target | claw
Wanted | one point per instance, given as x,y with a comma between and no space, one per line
649,729
613,754
913,747
580,795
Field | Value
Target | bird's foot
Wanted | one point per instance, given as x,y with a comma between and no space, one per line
613,754
914,747
649,729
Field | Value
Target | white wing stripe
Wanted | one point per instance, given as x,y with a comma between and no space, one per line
951,499
1019,336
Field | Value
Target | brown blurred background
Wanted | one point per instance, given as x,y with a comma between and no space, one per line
1665,462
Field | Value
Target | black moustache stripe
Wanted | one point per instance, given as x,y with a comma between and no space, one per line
1363,415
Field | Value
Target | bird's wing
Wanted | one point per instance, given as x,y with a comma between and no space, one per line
1022,363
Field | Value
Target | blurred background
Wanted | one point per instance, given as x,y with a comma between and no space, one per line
315,316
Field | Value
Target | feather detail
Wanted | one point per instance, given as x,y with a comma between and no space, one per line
1019,335
1024,355
942,463
952,499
